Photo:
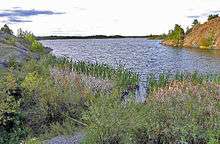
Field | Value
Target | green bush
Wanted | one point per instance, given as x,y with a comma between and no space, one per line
212,16
184,110
207,42
12,128
111,121
49,98
10,40
176,35
6,30
35,46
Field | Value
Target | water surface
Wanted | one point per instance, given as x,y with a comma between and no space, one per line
139,55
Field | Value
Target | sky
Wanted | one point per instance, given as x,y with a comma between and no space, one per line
106,17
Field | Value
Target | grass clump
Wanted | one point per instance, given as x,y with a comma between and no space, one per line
110,121
179,109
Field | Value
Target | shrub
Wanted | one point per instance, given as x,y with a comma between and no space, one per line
184,112
48,99
10,40
12,128
110,121
207,42
6,30
176,35
35,46
212,16
195,22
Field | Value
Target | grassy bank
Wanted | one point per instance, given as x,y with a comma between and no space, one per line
45,97
49,97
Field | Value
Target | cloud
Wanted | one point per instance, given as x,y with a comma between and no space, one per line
80,8
194,16
17,20
205,14
214,11
18,15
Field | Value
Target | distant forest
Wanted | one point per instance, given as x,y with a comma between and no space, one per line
95,37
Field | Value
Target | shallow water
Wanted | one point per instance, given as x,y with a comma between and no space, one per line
139,55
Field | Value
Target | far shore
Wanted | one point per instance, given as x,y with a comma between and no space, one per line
96,37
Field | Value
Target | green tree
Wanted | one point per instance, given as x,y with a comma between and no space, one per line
195,22
177,34
7,30
212,16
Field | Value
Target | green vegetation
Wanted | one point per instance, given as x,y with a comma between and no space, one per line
195,22
207,42
7,30
10,40
212,16
176,35
35,46
49,97
180,109
156,37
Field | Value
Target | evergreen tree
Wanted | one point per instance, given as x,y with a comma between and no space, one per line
195,22
7,30
212,16
177,34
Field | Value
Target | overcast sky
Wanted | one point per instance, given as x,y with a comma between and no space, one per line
108,17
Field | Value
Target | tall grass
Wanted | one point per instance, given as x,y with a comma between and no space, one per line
122,77
160,81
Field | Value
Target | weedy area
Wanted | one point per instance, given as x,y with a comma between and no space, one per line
181,108
45,97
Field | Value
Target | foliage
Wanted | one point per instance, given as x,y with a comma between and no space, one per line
176,35
45,98
195,22
33,141
12,129
183,112
111,121
121,77
35,46
207,42
181,109
6,30
212,16
10,40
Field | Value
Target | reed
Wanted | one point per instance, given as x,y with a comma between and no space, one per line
120,76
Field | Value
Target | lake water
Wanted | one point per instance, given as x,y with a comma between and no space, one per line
139,55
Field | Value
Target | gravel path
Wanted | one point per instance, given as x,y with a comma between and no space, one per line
66,140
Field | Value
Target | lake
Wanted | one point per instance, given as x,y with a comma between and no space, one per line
137,54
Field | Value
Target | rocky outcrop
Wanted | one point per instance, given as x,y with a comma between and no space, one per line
205,35
12,47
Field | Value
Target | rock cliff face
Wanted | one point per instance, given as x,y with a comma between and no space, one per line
12,47
205,35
